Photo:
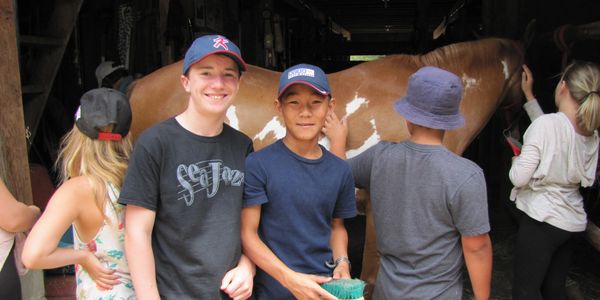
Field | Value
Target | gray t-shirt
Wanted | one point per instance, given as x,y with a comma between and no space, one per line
424,198
195,186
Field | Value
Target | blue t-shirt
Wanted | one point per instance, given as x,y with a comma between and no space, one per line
299,198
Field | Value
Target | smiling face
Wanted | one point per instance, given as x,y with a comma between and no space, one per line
212,83
303,111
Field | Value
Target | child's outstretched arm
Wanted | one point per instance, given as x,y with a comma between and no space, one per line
238,282
336,131
478,258
302,286
339,247
41,249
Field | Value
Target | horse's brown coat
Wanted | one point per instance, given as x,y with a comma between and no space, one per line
489,69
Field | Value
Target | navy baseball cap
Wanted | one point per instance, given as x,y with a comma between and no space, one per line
212,44
306,74
101,107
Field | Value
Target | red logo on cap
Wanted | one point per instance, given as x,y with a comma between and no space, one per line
107,136
221,42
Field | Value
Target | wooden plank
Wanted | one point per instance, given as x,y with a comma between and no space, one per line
59,28
41,41
11,116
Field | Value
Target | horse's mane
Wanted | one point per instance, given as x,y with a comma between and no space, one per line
470,57
454,56
464,55
477,53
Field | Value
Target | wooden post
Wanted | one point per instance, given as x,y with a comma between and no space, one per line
12,131
11,119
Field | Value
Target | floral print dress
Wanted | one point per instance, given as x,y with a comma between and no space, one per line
108,246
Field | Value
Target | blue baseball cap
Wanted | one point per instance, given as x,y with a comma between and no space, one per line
212,44
306,74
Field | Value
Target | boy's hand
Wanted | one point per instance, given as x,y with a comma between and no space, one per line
342,271
304,286
238,282
527,83
335,129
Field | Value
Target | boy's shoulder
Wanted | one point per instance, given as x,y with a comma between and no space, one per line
158,128
467,164
236,133
157,132
447,160
267,151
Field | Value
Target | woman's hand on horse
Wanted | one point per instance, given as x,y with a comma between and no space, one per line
527,83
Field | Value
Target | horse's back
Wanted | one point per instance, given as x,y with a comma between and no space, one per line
364,93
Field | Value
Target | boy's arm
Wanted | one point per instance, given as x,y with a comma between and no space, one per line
302,286
339,247
238,282
139,222
478,258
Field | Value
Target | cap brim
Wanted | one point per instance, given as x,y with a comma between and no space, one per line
238,60
320,90
423,118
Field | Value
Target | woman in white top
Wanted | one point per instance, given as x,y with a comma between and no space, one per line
559,154
15,217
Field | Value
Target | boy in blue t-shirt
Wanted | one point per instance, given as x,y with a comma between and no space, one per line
296,196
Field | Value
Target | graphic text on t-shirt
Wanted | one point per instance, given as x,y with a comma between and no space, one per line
207,176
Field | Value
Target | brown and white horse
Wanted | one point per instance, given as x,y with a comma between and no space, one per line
489,68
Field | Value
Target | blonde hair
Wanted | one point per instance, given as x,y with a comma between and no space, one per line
583,81
101,161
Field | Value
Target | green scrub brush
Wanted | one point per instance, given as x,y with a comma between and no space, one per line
345,289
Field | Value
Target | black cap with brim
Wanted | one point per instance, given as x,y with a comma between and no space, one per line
101,107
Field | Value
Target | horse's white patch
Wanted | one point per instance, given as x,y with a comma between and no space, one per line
469,82
355,104
372,140
505,69
272,126
325,142
232,117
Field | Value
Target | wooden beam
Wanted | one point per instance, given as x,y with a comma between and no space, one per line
61,22
11,119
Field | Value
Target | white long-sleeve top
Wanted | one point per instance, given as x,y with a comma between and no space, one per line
554,162
533,109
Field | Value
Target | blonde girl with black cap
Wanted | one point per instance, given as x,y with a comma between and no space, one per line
559,154
92,160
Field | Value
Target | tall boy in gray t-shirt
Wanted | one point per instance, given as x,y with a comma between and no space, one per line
429,204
